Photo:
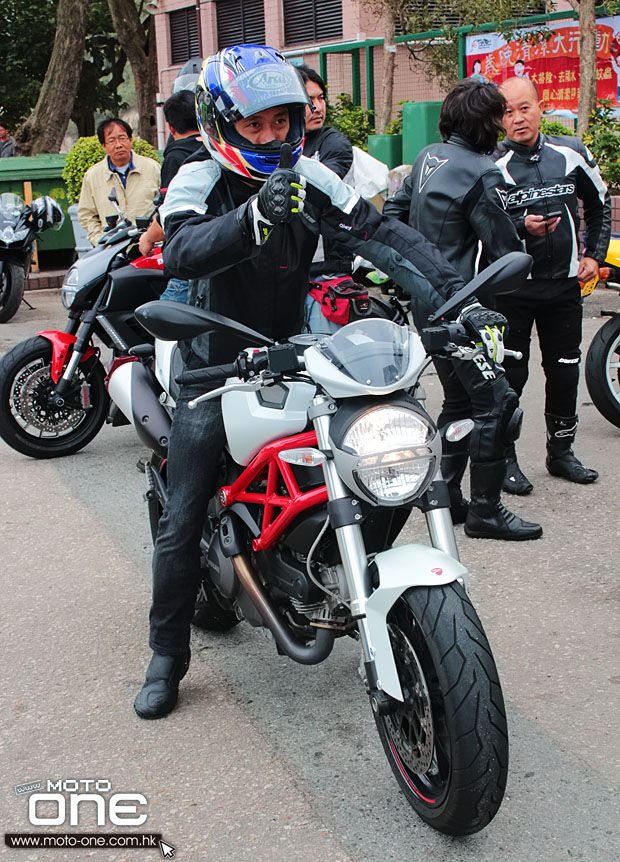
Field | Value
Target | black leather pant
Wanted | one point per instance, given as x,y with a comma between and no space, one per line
558,321
477,390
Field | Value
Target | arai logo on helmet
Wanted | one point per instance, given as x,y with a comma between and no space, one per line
268,79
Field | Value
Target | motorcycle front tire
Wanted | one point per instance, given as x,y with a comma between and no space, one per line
447,744
27,423
11,290
602,370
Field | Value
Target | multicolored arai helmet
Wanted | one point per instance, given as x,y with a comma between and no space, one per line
237,83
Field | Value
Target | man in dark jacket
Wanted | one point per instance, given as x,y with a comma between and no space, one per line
332,149
180,114
546,176
322,142
185,141
454,196
244,229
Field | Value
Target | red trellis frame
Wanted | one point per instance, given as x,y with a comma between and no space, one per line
291,506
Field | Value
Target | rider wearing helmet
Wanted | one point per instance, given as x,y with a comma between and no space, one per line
243,228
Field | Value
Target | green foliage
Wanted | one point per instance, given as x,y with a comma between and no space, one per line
27,29
603,140
554,127
395,126
441,57
352,120
27,36
88,151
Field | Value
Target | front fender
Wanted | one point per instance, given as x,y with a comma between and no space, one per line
399,569
61,343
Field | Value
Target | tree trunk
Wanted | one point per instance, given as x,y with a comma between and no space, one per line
384,113
587,64
139,46
45,128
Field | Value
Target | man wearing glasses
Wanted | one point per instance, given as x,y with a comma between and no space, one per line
135,179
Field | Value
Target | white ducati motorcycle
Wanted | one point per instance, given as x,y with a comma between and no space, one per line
329,450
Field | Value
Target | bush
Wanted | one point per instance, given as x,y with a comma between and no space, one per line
88,151
395,126
603,139
352,120
554,127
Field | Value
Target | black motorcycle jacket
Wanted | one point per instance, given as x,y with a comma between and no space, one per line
208,240
175,154
553,176
454,196
331,148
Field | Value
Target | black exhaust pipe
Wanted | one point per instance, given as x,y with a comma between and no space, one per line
313,653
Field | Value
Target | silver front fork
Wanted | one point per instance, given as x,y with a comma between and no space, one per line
349,538
441,531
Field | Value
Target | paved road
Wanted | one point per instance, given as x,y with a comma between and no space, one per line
265,760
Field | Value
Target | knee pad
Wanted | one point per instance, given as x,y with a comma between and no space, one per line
511,426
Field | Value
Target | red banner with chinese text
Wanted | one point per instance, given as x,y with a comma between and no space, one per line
552,65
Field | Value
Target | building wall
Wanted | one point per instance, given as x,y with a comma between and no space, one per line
412,81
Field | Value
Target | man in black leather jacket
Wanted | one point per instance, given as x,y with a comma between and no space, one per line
454,196
546,176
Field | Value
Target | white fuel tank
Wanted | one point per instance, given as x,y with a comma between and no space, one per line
253,419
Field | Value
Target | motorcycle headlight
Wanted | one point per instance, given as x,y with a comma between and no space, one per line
390,453
70,286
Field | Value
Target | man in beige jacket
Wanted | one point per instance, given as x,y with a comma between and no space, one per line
135,178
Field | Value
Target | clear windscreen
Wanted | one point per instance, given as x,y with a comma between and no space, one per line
373,352
11,209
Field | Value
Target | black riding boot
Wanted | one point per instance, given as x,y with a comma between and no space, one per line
453,465
561,460
515,482
487,517
159,694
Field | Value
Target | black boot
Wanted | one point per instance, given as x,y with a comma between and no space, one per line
515,481
487,517
158,696
561,460
453,465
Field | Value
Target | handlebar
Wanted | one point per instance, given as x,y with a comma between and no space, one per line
279,359
208,375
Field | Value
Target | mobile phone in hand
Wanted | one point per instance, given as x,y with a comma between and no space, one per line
554,214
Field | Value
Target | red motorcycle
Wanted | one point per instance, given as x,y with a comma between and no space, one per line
53,397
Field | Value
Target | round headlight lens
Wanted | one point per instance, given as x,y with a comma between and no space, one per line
395,460
70,287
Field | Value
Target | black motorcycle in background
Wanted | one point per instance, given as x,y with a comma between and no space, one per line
19,226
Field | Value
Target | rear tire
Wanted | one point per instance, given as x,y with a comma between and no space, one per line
11,290
602,370
28,423
448,743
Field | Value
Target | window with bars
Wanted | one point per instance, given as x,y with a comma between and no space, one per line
312,21
184,40
433,14
240,22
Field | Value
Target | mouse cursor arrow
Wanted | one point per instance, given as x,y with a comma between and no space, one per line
167,850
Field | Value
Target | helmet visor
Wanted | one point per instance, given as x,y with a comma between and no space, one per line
265,86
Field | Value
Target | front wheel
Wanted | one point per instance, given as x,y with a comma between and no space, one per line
602,370
447,743
11,290
29,422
